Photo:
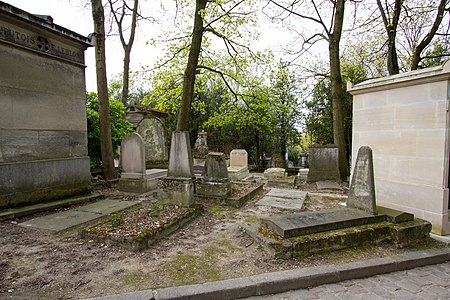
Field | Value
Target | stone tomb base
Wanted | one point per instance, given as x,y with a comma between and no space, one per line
213,188
140,183
304,234
179,191
238,173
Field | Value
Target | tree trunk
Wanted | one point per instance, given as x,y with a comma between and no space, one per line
109,171
391,31
126,76
337,92
184,114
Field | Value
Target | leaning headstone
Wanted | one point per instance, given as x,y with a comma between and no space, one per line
362,189
323,163
215,181
238,168
153,132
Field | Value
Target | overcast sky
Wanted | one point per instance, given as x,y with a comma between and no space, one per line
76,16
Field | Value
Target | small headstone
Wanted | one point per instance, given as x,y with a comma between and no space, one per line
238,158
238,168
362,189
215,168
133,154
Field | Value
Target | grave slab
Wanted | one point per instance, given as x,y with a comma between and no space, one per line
319,221
287,193
62,221
283,203
107,206
66,220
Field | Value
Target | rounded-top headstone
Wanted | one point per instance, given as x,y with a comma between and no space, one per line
132,154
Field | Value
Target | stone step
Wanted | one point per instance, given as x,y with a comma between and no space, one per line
304,223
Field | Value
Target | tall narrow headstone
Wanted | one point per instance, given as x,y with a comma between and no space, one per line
362,189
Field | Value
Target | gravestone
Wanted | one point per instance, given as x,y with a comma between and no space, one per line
178,187
133,154
323,163
238,168
215,181
43,133
153,132
362,188
135,177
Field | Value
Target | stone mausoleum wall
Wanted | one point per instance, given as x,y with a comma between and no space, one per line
43,131
405,120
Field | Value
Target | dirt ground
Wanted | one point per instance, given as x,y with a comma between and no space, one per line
42,265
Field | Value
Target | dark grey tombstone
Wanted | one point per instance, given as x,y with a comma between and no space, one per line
323,163
362,188
215,168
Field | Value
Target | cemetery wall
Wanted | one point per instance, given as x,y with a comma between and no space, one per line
43,131
404,119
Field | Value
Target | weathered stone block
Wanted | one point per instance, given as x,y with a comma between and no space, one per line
323,163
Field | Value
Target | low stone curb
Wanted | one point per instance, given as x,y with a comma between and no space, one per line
283,281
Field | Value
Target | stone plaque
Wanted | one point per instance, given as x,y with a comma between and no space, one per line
362,189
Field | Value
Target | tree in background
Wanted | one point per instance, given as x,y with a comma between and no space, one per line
119,127
328,16
410,28
121,10
109,171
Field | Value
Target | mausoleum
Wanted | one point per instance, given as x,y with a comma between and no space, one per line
43,131
404,118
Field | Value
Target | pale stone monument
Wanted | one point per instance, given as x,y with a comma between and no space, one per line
43,131
178,187
323,163
215,181
238,168
153,132
135,177
362,188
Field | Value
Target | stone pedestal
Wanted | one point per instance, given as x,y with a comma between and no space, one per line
141,183
215,181
178,191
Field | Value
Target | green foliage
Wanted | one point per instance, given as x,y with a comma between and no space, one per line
119,127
